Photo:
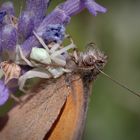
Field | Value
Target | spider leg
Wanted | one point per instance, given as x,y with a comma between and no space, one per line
31,74
18,100
54,48
75,55
59,52
56,72
59,60
23,57
41,41
75,52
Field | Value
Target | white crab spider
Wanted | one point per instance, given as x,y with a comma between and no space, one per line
47,56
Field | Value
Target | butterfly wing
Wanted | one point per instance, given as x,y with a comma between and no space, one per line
57,111
71,120
35,118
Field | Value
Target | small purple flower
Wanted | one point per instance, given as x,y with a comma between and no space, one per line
54,33
39,8
31,17
2,15
62,15
4,93
25,25
8,7
94,7
8,41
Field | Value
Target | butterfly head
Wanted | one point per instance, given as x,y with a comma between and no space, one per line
92,59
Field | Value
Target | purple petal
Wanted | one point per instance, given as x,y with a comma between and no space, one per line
54,33
58,16
94,7
0,41
25,25
38,7
2,15
29,44
72,7
8,7
8,40
4,93
32,16
62,13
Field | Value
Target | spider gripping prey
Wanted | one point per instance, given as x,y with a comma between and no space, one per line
47,62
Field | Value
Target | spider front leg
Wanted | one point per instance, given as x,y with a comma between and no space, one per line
21,55
31,74
41,41
57,56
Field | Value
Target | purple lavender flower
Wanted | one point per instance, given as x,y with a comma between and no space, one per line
54,33
94,7
51,28
8,7
25,25
8,41
62,15
73,7
4,93
31,17
2,15
39,8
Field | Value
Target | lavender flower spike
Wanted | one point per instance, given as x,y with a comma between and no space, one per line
8,7
63,12
62,15
8,41
54,33
38,7
94,7
25,25
72,7
4,93
2,15
31,17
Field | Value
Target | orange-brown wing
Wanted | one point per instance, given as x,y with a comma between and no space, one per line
70,123
57,112
35,118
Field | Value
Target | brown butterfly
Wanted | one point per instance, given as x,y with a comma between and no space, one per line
59,106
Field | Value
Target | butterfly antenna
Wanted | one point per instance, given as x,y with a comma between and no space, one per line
118,83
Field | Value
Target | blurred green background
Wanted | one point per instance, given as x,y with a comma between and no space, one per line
113,113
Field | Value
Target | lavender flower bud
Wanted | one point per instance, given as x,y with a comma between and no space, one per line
54,33
2,15
38,7
31,17
0,44
58,16
8,7
94,7
8,40
25,25
4,93
72,7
